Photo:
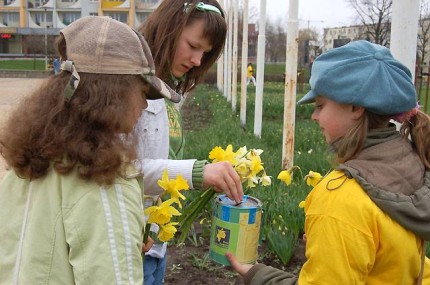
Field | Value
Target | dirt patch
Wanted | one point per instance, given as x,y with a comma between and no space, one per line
190,264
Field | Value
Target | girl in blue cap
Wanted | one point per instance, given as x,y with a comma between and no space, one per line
367,220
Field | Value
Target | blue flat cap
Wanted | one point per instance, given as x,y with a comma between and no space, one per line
363,74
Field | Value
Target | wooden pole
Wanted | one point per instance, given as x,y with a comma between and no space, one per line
244,64
290,86
404,32
230,48
235,36
261,49
225,81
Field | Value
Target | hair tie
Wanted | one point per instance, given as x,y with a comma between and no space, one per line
202,7
406,116
73,83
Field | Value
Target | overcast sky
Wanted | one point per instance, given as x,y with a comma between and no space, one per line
319,13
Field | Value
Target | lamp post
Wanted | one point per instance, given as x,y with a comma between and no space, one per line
46,40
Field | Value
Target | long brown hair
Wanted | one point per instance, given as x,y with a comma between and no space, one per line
352,143
417,129
47,130
165,25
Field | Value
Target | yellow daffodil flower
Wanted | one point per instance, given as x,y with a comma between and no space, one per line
313,178
285,176
163,213
217,154
256,165
167,231
173,186
302,204
265,180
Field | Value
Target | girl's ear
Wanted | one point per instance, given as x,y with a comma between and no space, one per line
357,112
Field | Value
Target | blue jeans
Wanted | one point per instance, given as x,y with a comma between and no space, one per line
153,270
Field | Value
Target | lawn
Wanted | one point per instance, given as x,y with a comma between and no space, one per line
23,64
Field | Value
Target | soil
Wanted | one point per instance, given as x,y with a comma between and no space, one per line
189,263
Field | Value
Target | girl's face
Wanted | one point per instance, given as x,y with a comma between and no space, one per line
137,103
192,45
335,119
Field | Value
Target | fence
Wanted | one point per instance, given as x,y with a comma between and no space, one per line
422,84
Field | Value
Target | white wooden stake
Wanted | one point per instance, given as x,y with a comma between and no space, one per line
235,35
244,64
404,32
290,86
260,70
230,48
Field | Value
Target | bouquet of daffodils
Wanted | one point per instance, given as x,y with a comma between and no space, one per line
161,213
248,166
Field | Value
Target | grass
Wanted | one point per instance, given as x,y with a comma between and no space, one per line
23,64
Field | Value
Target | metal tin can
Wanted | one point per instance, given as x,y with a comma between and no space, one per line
235,229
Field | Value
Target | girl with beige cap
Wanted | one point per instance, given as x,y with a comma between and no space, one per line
71,205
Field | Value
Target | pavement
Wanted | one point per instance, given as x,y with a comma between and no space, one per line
12,90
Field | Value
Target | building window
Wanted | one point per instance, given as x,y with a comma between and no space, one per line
7,2
141,17
122,17
150,1
68,18
43,17
9,19
38,3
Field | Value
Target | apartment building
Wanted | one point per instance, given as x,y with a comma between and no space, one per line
23,21
339,36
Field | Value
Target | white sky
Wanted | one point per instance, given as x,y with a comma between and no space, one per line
319,13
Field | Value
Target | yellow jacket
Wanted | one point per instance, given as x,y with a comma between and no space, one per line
340,214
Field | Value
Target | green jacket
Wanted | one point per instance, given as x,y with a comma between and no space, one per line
60,229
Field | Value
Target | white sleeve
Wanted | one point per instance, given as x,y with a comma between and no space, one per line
152,170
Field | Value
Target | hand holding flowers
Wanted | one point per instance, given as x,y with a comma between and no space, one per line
245,163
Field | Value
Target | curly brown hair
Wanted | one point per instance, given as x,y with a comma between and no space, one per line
165,25
83,133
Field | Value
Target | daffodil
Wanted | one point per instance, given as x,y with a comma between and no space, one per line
302,204
173,187
313,178
217,154
163,213
167,231
285,176
256,165
265,180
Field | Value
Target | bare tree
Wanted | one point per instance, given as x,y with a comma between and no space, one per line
423,32
276,40
375,15
308,47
